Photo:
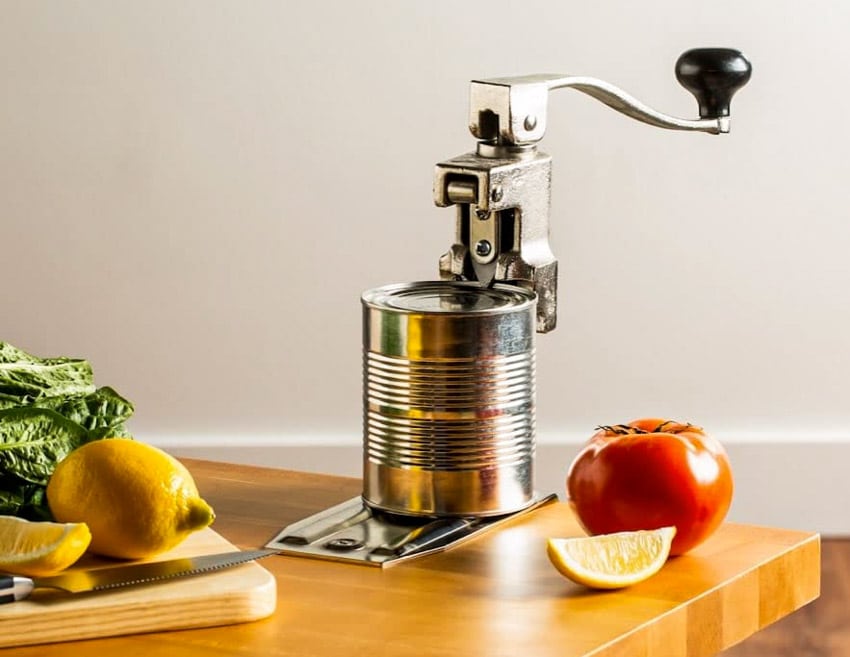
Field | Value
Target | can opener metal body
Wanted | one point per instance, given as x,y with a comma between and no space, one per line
502,189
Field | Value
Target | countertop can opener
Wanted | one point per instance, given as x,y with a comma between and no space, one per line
449,366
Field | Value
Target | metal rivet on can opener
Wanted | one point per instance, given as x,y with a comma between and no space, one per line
343,544
483,248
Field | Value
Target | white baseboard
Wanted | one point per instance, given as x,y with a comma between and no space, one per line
788,482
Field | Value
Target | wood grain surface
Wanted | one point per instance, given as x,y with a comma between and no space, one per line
239,594
820,629
495,595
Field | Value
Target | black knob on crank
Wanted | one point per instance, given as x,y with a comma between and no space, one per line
713,75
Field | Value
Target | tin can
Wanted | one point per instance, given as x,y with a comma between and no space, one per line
448,398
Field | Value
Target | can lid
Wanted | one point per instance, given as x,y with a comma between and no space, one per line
449,297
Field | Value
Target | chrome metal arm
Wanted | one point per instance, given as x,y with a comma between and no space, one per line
513,110
502,189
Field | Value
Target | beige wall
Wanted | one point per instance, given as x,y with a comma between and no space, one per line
194,194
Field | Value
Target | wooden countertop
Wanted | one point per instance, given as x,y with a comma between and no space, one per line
495,595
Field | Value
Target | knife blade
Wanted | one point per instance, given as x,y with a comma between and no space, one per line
13,588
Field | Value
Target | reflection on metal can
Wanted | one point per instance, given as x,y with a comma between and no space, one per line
448,398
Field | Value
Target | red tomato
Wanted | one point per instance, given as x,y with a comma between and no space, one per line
652,473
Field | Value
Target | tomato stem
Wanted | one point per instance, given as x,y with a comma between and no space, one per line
669,426
620,429
678,427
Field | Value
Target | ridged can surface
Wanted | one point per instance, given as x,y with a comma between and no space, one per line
448,398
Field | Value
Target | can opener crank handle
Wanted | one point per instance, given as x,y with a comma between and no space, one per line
502,189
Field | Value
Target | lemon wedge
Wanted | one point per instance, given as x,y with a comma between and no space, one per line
38,549
611,561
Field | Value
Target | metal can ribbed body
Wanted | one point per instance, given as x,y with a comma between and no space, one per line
449,398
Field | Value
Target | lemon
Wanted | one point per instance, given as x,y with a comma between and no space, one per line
611,561
38,549
137,500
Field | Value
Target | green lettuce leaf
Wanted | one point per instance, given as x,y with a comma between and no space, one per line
34,440
23,499
27,378
48,408
11,498
101,412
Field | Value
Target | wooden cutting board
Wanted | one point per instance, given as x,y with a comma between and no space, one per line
234,595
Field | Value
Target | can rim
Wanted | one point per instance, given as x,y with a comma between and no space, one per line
509,298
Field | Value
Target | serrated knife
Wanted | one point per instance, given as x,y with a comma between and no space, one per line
13,588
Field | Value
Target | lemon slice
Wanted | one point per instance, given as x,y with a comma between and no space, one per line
611,561
38,549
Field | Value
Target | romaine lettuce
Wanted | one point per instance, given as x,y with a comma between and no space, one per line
48,407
